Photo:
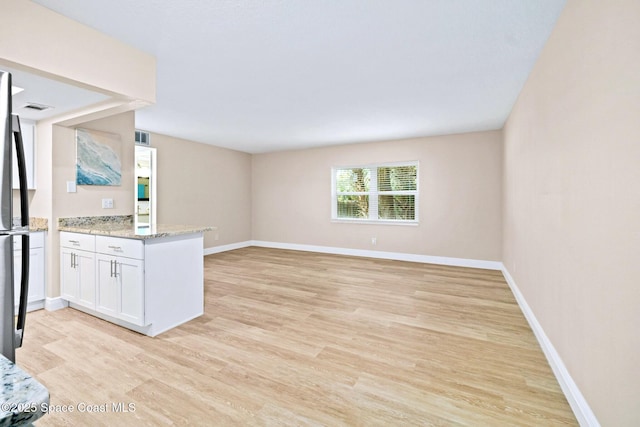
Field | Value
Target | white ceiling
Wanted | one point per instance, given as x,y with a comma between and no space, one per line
265,75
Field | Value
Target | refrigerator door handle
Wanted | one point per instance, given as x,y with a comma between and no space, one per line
24,221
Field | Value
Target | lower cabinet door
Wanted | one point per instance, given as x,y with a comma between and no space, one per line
86,269
36,275
120,288
77,277
107,285
130,274
68,276
17,277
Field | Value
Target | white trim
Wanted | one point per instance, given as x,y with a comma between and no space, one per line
375,221
379,165
374,193
32,306
53,304
578,403
149,330
225,248
398,256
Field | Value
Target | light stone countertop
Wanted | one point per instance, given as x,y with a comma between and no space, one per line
122,226
38,224
35,223
22,399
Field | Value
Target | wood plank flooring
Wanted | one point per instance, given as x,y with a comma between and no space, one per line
304,339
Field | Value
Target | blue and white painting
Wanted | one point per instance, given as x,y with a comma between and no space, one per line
98,158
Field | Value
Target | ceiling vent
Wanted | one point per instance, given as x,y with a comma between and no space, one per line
37,107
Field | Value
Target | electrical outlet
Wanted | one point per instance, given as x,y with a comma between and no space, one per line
374,241
107,203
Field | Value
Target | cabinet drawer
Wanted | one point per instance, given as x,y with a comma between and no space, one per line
86,242
129,248
36,240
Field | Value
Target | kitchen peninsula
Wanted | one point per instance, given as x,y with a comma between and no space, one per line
148,279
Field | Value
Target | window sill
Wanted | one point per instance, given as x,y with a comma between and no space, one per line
374,222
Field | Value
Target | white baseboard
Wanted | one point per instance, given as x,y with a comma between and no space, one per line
578,403
398,256
225,248
53,304
31,306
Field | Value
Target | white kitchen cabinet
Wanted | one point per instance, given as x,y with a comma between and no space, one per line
120,288
105,274
77,269
28,139
120,278
107,286
36,295
147,285
130,274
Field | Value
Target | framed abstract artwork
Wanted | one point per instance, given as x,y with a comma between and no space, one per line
98,158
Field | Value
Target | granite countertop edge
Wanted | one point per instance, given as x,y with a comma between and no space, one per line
35,223
38,224
125,227
23,398
141,233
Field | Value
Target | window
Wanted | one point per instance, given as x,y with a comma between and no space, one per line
384,193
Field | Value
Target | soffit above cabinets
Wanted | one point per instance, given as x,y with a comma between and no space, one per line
38,90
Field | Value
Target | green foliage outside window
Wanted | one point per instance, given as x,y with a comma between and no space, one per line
353,181
394,192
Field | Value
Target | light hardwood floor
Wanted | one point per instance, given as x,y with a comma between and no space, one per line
297,338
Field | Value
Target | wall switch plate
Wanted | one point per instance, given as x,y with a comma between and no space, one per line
71,187
107,203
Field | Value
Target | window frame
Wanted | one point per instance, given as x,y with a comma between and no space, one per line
373,194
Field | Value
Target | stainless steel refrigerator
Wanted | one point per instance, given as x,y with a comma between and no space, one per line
11,328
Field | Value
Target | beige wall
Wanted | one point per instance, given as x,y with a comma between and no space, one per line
197,184
87,201
200,184
459,207
39,41
36,39
570,194
572,200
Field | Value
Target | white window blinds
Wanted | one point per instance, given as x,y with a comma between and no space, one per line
387,193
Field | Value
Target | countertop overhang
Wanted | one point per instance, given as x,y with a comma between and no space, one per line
123,226
35,224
